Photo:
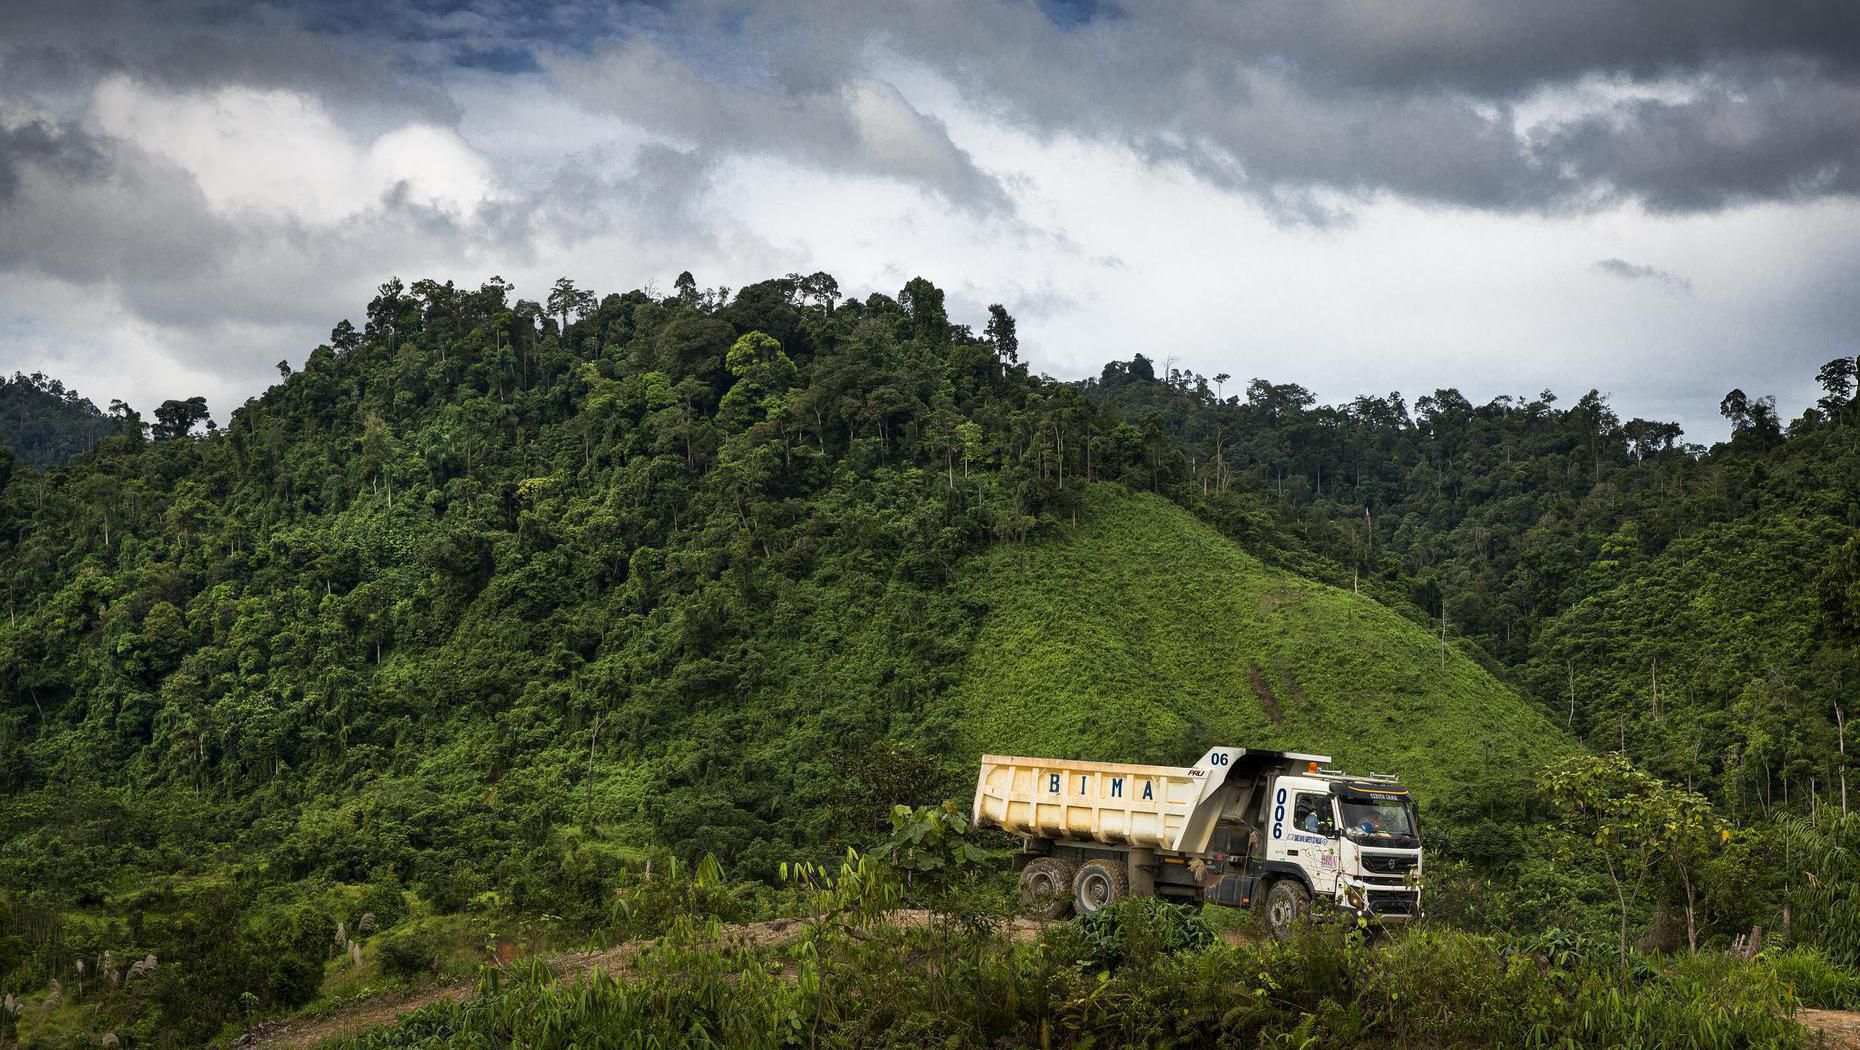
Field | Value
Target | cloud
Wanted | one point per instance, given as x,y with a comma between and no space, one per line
283,152
60,150
1310,107
1767,135
1502,48
87,208
56,51
861,125
1315,106
1628,271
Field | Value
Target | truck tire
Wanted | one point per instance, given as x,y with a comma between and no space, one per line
1046,887
1098,883
1288,904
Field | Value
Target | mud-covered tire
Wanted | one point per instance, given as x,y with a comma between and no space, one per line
1046,887
1288,905
1099,883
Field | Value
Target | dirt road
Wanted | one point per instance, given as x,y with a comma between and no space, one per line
1838,1027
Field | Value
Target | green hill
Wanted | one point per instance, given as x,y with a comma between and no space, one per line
1144,635
44,424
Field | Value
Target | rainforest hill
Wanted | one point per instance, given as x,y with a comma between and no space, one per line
42,423
493,597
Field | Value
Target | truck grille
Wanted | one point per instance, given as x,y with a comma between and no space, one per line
1387,863
1391,903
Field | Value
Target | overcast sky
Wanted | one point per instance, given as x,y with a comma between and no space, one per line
1656,198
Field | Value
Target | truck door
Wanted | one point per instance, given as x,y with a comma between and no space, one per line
1317,834
1304,832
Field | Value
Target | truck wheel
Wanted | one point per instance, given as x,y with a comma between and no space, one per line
1287,905
1046,887
1098,883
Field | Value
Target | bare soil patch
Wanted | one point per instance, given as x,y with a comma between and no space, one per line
1835,1027
1264,692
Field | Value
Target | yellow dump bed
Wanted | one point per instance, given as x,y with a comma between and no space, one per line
1112,802
1154,807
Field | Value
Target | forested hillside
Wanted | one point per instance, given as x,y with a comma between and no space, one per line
495,597
1693,607
43,424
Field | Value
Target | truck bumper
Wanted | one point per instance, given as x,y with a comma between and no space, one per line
1382,905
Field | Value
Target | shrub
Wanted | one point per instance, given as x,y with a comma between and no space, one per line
384,899
1138,930
1815,979
646,905
406,955
288,944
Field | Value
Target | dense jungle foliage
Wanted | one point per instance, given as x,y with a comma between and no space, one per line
43,424
454,629
1695,608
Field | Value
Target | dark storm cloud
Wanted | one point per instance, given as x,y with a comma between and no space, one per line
1501,47
1628,271
64,152
55,51
1288,99
1777,137
89,209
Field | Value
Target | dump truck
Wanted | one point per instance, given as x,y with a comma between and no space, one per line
1278,832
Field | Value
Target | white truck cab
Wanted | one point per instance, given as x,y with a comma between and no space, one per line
1354,840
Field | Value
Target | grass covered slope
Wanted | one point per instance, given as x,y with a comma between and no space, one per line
1146,636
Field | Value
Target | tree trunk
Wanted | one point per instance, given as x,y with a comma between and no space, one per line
593,736
1840,728
1621,898
1692,930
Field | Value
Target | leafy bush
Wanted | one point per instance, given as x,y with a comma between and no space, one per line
406,955
1138,930
648,903
287,945
384,900
1827,911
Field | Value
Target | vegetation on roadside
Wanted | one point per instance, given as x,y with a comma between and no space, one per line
1140,973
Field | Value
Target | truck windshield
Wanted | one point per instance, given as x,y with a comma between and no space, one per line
1380,821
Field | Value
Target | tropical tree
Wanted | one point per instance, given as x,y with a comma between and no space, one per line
1631,822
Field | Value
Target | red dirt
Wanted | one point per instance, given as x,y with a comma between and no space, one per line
1835,1027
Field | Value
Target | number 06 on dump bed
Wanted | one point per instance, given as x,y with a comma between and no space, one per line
1276,831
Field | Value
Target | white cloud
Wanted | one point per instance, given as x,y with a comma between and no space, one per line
280,153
